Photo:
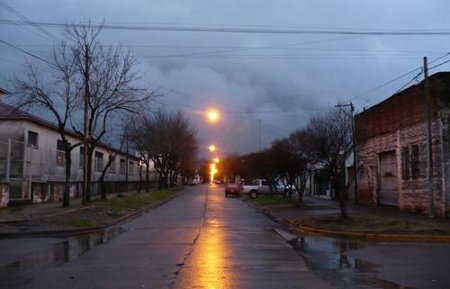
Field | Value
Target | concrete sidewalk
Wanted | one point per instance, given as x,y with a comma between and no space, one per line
319,207
291,215
35,211
33,220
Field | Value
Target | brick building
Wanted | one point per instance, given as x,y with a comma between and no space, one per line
391,146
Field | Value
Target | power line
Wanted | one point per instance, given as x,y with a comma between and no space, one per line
383,84
440,64
27,20
27,53
403,75
230,29
412,79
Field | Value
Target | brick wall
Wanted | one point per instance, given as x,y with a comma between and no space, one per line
399,123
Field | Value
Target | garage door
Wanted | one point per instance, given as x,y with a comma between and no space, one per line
388,193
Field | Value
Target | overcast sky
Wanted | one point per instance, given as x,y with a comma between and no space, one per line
276,79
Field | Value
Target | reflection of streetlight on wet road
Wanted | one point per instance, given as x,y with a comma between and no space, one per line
213,171
216,160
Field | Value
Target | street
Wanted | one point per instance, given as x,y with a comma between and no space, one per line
203,240
198,240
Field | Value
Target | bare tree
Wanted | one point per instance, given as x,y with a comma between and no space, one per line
88,75
168,141
109,163
299,142
107,78
59,97
137,135
330,137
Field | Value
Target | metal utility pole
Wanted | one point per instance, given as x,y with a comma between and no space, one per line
86,126
355,159
259,135
355,170
126,159
427,99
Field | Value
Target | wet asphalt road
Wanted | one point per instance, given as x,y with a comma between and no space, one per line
198,240
203,240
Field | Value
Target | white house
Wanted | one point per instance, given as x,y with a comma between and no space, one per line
32,159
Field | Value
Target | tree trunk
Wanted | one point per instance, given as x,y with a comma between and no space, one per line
66,194
147,177
101,182
337,183
140,179
343,204
89,174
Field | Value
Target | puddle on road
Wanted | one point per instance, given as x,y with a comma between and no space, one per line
60,253
327,257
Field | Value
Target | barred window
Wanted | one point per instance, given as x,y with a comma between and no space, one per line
32,138
112,166
122,165
131,168
81,157
415,162
60,153
98,161
405,163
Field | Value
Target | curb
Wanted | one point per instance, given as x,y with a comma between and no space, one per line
366,236
352,235
88,230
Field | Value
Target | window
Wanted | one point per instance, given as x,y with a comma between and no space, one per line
131,168
415,162
98,161
112,166
32,138
60,153
405,163
81,157
122,167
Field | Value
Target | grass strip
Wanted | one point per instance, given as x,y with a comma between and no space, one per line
375,224
267,200
132,202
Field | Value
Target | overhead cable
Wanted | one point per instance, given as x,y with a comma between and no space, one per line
231,29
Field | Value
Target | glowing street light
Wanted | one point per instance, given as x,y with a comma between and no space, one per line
216,160
212,115
212,148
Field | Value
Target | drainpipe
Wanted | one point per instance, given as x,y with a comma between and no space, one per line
8,161
430,171
443,174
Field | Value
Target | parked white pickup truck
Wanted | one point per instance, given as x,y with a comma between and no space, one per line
260,187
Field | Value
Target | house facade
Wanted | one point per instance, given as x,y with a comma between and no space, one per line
32,160
391,149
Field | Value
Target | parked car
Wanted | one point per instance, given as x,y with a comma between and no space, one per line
262,187
233,190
